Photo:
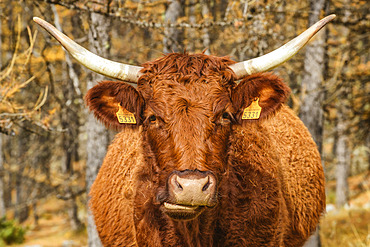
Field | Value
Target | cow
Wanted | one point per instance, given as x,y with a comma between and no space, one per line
208,154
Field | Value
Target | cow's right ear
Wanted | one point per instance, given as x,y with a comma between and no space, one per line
108,98
258,96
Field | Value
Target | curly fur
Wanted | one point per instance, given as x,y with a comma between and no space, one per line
269,173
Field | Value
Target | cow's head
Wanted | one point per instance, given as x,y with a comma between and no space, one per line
186,106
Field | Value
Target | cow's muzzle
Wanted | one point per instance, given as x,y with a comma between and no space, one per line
189,193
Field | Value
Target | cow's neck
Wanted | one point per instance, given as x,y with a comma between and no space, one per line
198,232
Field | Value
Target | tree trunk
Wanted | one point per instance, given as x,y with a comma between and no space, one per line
21,208
191,33
206,36
367,144
69,119
2,202
343,160
97,134
173,37
342,150
311,111
70,122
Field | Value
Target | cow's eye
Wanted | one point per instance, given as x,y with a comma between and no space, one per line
152,118
226,116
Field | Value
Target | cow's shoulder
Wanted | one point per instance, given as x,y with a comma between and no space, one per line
114,189
301,170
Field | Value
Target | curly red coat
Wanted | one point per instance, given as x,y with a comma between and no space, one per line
188,109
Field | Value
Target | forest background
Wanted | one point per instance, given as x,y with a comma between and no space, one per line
51,148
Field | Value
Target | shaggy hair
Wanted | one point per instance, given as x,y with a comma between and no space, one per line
188,108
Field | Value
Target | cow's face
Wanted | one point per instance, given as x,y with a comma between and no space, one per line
187,125
187,117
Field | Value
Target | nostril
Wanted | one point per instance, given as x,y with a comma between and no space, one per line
174,184
178,185
206,186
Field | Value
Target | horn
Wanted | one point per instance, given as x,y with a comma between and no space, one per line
280,55
90,60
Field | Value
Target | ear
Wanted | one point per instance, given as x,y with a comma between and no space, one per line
104,100
268,88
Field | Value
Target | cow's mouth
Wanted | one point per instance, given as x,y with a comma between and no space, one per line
182,212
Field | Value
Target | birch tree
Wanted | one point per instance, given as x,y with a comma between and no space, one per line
342,149
173,36
311,111
2,202
98,137
70,122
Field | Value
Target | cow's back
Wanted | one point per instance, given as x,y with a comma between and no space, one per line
303,183
113,191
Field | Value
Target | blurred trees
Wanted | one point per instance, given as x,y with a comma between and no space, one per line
98,140
52,147
172,40
312,95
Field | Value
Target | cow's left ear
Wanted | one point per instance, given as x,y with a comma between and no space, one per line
116,104
265,90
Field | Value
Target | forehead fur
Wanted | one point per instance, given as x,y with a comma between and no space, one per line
178,84
187,68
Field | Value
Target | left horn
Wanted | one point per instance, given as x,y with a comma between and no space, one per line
280,55
90,60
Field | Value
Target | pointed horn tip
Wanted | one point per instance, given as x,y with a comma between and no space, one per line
40,21
324,21
332,16
36,19
329,18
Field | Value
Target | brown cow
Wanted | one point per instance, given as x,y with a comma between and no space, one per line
202,160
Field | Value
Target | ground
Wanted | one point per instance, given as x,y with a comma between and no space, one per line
347,228
53,229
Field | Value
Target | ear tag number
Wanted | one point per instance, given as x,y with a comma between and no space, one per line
124,116
253,111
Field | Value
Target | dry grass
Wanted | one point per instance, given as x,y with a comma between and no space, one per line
347,228
53,229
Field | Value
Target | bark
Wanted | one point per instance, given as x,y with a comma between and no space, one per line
314,240
74,221
35,214
97,134
2,202
342,149
311,111
367,144
21,208
191,37
173,36
206,36
69,117
221,8
343,157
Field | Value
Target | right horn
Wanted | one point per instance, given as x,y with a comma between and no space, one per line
90,60
280,55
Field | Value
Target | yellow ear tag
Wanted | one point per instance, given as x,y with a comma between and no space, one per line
253,111
124,116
